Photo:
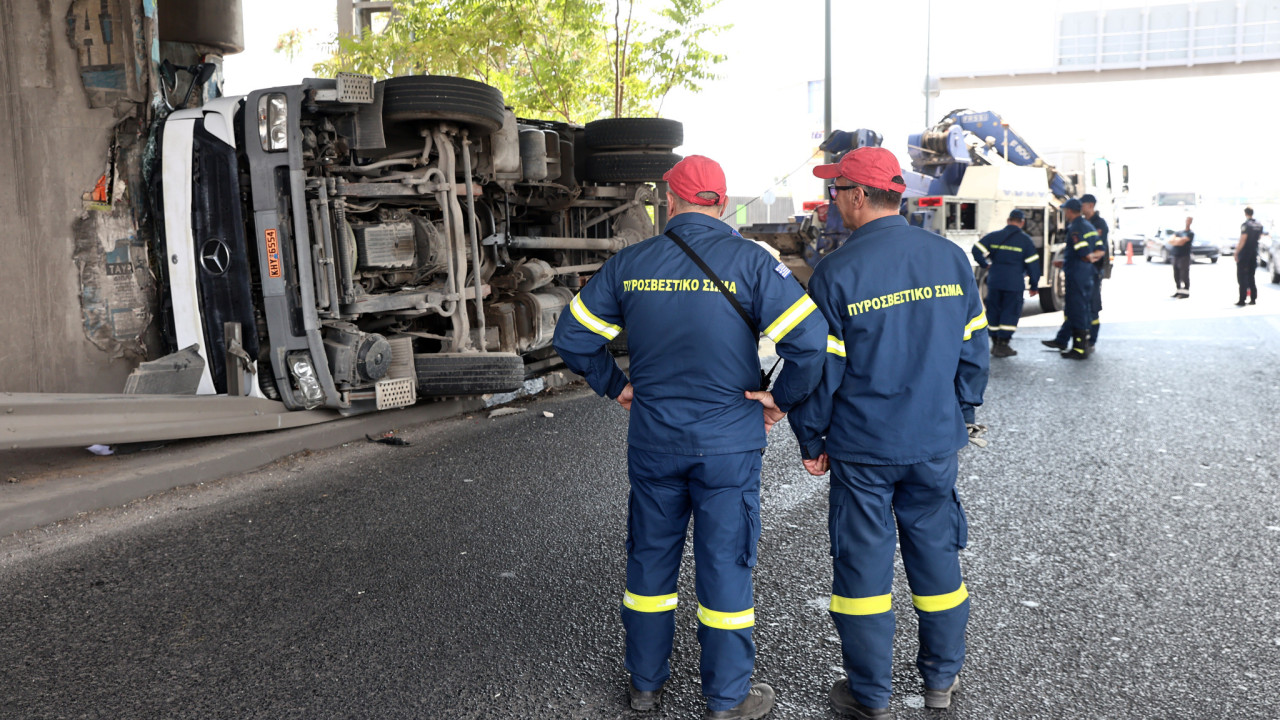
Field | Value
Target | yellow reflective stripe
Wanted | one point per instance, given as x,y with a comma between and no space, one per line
1033,258
983,248
834,346
1079,245
938,603
727,621
590,321
791,318
1091,234
861,606
975,325
1097,322
649,603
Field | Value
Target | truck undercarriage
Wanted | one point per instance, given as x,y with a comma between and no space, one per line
377,242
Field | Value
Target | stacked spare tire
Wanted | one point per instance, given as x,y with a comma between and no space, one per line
631,149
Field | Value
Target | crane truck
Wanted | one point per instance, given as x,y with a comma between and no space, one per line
968,171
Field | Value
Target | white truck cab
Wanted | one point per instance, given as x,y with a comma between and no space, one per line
982,205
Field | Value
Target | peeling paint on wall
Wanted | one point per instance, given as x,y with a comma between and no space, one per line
117,288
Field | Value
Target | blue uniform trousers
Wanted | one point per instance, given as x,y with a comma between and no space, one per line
1004,308
931,528
1095,308
722,492
1078,314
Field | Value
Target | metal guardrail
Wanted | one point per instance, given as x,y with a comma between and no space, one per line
44,420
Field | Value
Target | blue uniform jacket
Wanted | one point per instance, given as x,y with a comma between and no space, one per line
1101,242
907,360
692,356
1010,253
1082,239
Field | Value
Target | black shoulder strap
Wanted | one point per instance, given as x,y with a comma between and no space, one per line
715,279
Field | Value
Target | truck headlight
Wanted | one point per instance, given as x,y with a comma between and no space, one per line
273,121
304,376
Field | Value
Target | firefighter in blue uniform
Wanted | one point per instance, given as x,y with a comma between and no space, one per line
1102,266
1008,255
698,425
906,365
1080,253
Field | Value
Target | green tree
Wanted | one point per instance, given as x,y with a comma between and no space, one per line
576,60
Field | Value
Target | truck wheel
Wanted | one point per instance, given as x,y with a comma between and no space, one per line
626,133
629,166
1053,298
447,374
417,98
618,345
1047,303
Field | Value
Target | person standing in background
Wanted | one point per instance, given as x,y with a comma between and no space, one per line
1181,258
1246,256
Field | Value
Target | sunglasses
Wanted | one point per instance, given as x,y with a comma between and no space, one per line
834,190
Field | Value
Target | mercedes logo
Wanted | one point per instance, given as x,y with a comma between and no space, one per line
215,256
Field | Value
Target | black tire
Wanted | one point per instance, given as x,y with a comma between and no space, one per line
1052,298
618,345
1275,274
450,374
634,133
980,277
629,166
1213,261
419,98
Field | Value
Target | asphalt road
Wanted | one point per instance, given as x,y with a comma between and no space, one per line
1125,528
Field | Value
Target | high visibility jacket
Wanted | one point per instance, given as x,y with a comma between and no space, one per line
907,360
1009,253
692,356
1082,239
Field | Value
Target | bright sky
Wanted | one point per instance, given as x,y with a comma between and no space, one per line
1201,134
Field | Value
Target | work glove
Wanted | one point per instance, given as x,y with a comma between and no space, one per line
975,434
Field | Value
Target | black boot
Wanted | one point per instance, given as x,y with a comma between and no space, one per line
846,704
1054,344
758,703
644,700
941,699
1008,350
1079,347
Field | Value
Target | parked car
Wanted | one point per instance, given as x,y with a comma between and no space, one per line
1271,250
1158,247
1121,244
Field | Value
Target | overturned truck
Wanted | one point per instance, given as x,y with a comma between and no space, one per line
354,245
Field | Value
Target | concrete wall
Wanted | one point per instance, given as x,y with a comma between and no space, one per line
79,305
53,149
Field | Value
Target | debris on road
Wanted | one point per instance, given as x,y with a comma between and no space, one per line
388,439
548,414
102,450
502,412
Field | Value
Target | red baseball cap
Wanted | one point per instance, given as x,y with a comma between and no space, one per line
871,166
696,174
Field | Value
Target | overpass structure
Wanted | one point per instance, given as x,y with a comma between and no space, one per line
1192,39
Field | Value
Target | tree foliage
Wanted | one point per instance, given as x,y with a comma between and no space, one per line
576,60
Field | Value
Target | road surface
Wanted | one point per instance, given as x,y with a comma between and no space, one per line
1124,536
